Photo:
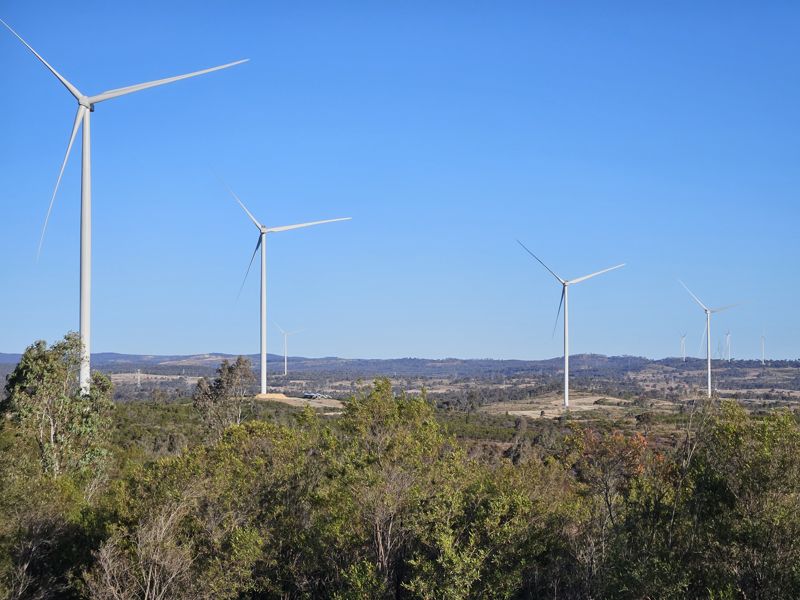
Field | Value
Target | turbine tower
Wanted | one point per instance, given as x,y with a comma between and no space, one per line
262,243
565,283
709,312
86,106
683,347
763,354
286,335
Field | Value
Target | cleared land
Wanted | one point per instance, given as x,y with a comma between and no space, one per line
552,405
292,401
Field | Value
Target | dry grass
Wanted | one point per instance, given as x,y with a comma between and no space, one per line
553,405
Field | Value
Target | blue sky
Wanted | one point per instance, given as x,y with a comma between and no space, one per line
663,136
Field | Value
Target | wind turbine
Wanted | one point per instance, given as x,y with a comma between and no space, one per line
286,335
763,345
262,243
728,345
565,283
709,312
683,347
86,105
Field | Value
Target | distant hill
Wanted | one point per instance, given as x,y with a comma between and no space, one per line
447,367
586,365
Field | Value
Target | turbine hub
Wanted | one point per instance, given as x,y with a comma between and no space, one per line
84,101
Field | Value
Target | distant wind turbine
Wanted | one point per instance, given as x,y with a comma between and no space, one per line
709,312
683,347
565,283
286,335
728,345
763,353
262,243
86,106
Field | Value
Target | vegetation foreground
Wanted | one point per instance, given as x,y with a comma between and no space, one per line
227,498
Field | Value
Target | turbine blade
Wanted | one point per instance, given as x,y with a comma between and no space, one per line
249,214
702,341
71,88
276,324
143,86
721,308
585,277
252,258
540,262
696,299
78,121
299,225
560,304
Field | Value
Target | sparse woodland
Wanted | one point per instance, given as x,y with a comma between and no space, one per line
228,498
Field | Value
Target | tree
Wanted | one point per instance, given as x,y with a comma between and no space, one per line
396,451
225,400
746,480
149,564
53,442
44,398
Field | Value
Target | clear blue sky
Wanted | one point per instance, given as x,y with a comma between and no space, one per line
664,136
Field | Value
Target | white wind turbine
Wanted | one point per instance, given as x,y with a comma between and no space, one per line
262,243
709,312
286,335
763,349
728,345
683,347
565,283
86,106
